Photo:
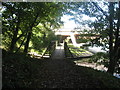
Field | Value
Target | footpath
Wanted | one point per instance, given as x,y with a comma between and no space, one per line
59,72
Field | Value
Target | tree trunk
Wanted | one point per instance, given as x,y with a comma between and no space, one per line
21,44
27,42
14,39
117,41
29,34
117,32
111,62
13,42
115,54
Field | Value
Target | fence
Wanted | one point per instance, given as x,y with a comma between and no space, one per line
50,49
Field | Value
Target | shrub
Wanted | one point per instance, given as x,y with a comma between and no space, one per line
100,58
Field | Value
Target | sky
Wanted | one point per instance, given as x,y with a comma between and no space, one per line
70,24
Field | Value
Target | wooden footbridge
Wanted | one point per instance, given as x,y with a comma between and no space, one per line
60,51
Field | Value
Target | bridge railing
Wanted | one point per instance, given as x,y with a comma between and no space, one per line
68,54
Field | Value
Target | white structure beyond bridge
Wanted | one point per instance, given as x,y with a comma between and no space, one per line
74,35
69,33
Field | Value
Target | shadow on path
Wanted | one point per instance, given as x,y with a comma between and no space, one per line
59,72
58,53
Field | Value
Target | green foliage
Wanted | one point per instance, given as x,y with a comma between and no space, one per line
5,42
82,40
41,38
106,24
100,58
99,26
19,19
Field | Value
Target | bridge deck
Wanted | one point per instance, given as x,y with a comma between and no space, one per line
58,53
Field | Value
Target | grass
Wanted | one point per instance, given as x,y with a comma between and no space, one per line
106,79
78,51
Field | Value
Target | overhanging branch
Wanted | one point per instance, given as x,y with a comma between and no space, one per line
99,8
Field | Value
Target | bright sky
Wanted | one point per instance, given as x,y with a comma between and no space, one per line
70,24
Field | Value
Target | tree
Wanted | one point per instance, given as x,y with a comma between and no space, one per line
113,49
50,15
105,22
113,35
15,18
19,19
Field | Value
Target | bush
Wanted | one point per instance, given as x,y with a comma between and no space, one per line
100,58
82,40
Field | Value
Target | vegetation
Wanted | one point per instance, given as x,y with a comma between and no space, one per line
85,38
79,52
82,40
29,27
106,24
103,58
105,79
100,58
19,70
29,23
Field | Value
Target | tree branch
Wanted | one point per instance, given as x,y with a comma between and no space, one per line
99,8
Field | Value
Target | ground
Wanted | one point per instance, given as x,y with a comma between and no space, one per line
60,73
20,71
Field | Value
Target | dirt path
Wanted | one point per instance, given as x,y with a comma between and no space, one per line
59,72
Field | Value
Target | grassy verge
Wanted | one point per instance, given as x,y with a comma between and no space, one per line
106,80
79,51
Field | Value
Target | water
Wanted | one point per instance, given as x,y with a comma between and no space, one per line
95,49
116,75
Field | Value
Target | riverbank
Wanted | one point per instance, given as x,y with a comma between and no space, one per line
94,66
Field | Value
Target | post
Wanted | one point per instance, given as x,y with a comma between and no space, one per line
56,43
66,49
